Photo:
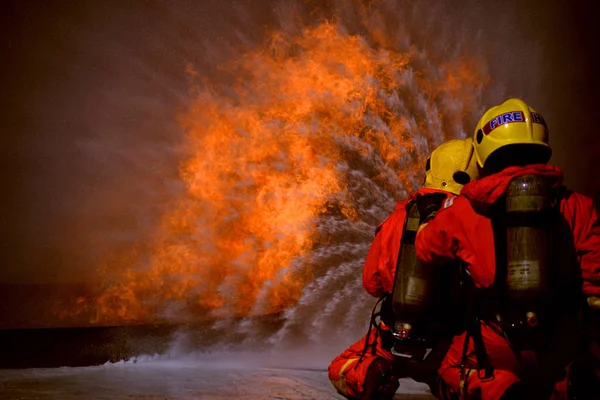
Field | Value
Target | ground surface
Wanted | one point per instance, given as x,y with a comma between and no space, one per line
189,379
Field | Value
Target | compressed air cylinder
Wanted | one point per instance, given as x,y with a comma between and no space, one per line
528,203
411,282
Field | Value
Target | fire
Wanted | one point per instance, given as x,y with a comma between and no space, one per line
272,153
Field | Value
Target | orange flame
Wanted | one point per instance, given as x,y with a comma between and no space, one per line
269,156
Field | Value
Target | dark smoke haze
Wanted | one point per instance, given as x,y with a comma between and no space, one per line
90,91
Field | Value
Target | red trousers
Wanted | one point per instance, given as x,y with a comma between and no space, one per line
348,371
545,371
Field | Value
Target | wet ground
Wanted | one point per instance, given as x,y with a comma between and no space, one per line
188,364
192,379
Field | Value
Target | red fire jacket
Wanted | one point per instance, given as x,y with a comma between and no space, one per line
380,265
458,231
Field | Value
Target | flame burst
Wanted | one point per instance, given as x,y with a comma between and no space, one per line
275,151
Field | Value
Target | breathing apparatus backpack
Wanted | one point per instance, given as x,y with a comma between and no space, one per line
537,279
526,271
409,294
414,308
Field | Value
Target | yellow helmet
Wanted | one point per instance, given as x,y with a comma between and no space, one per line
451,166
512,122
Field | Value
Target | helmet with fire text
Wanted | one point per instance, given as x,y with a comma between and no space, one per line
512,132
451,166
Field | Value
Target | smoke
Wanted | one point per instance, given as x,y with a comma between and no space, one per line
98,150
98,89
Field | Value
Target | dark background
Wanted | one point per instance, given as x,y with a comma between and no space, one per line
89,90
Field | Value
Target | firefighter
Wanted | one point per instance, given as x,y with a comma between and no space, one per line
368,369
532,250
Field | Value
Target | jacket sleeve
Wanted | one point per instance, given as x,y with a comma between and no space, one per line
586,232
436,241
380,265
371,277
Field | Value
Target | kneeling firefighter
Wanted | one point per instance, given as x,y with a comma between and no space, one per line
394,345
532,251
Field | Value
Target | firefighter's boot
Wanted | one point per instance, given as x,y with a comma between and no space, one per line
381,382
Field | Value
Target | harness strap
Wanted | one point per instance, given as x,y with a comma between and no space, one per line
483,362
463,361
374,315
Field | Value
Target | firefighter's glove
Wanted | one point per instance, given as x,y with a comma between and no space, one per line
428,205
